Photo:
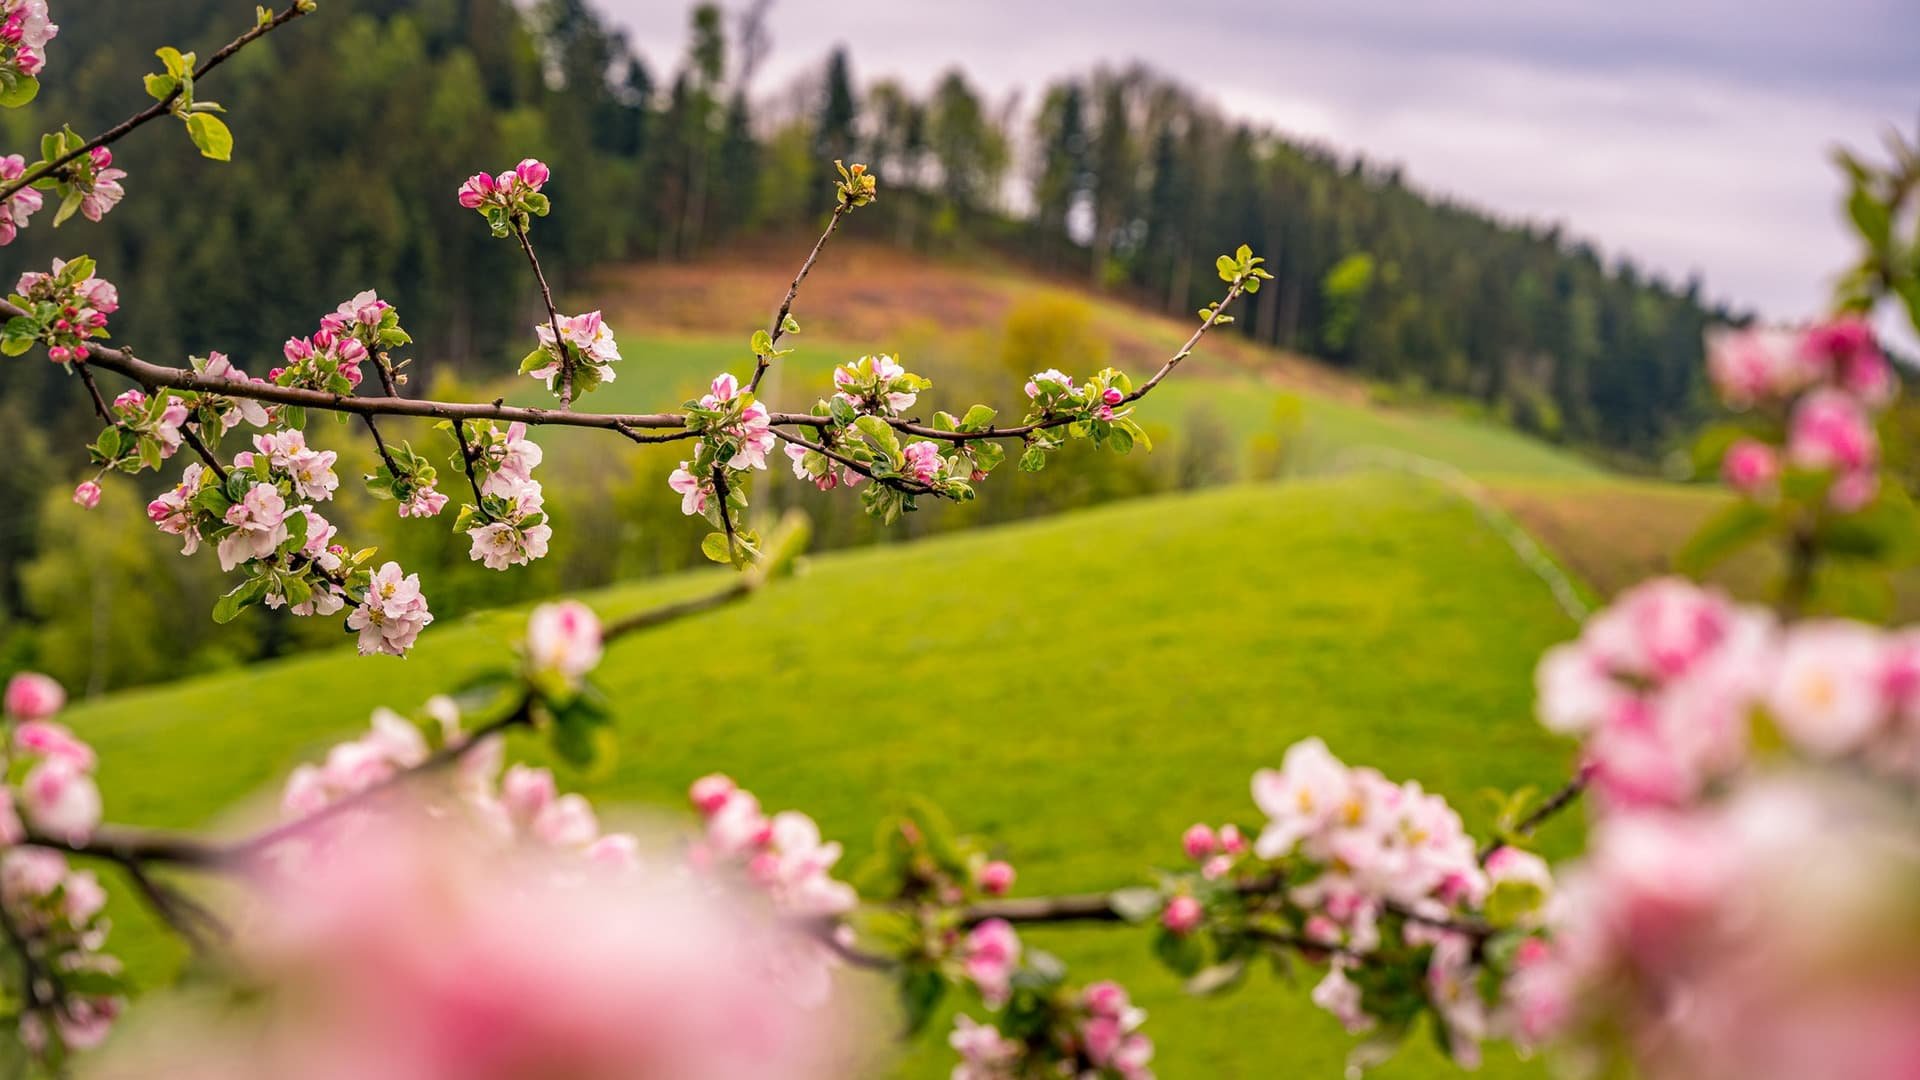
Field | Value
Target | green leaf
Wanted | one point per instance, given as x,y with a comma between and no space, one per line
161,87
762,343
1725,533
17,89
1182,953
716,547
68,206
540,357
978,418
921,989
210,134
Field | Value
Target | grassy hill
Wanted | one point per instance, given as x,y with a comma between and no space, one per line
1079,689
681,324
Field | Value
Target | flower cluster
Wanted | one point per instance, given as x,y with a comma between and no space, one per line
55,912
260,517
877,386
25,30
145,432
217,414
735,436
522,806
1094,1032
18,208
67,309
1768,936
1093,409
1377,880
509,199
90,185
391,612
1665,684
784,857
1812,393
781,854
371,321
330,360
508,525
585,345
425,950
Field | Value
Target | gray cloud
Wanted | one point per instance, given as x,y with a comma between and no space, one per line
1691,134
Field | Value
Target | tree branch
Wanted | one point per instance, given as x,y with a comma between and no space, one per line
912,487
152,112
553,318
779,327
1568,794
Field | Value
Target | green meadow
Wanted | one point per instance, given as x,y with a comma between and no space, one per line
1077,689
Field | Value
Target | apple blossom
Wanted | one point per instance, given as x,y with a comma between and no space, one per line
60,799
1183,914
19,207
695,491
877,385
79,302
101,185
33,696
563,637
1751,467
423,952
588,340
995,877
259,526
392,614
922,461
991,954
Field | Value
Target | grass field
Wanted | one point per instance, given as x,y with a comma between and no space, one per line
1078,689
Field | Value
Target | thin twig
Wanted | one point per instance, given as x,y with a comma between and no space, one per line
553,318
779,327
1556,802
381,445
467,455
206,455
152,112
93,389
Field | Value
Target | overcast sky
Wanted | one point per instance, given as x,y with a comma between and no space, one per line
1692,134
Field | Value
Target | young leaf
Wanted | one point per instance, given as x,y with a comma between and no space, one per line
210,134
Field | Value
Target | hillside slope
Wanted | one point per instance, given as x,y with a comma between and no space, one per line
1079,689
685,321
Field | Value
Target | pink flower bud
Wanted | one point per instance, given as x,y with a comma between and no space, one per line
102,157
531,173
1113,396
59,354
61,800
1199,842
478,188
33,696
87,494
1183,915
711,792
80,352
996,877
1750,467
1231,840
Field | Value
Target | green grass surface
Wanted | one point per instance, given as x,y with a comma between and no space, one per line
1077,689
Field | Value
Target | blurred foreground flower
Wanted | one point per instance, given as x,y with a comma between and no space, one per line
428,952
